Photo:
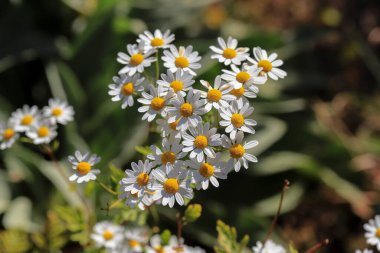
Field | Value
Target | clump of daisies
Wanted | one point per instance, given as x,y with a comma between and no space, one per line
372,233
39,126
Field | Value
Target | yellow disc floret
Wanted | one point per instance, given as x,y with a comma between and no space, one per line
378,232
133,243
142,179
159,249
173,125
229,53
242,77
157,103
8,133
214,95
176,85
56,111
168,157
156,42
237,120
186,110
43,131
206,170
266,65
107,235
128,89
83,168
171,185
200,142
136,59
181,62
27,120
237,151
238,92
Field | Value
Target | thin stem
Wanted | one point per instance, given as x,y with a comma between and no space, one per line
319,245
179,229
105,187
157,65
148,77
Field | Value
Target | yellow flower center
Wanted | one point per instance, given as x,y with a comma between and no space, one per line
133,243
83,168
201,142
176,85
229,53
128,89
171,185
43,131
186,110
168,157
238,92
8,133
107,235
242,77
56,111
136,59
156,42
157,103
27,120
237,120
178,249
206,170
159,249
237,151
181,62
173,125
378,232
214,95
142,179
266,65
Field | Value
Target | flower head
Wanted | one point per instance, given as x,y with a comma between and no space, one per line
246,75
25,117
43,131
269,247
183,59
168,129
154,103
8,135
177,82
217,96
58,112
107,234
229,53
83,164
135,239
372,233
268,65
157,39
138,178
124,87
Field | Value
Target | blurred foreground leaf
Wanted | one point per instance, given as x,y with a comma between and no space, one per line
227,239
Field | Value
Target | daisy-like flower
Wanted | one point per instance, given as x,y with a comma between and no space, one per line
155,245
42,131
183,59
171,187
8,135
217,96
268,65
179,81
58,112
136,60
107,234
207,172
364,251
244,92
238,151
168,129
154,103
229,53
124,87
133,200
83,165
138,178
186,113
157,40
235,118
200,141
25,117
269,247
136,238
172,246
246,75
372,233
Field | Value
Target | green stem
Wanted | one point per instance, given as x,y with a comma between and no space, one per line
105,187
157,65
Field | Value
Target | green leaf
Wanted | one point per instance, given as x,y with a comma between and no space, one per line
292,249
14,241
143,150
5,193
165,237
227,239
193,212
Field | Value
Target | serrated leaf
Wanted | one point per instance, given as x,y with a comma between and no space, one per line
227,239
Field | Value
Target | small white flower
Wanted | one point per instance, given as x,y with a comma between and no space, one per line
124,87
136,60
200,141
217,96
8,135
172,246
178,81
235,118
58,112
238,151
25,117
133,200
269,65
245,91
83,166
107,234
372,233
42,132
246,75
186,113
155,245
157,40
203,173
364,251
168,129
229,53
137,178
269,247
154,103
183,59
136,238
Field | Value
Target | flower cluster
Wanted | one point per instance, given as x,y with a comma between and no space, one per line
192,146
372,233
40,126
115,238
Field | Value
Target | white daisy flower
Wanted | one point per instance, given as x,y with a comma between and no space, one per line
58,112
172,247
200,141
83,165
137,178
364,251
178,81
155,245
203,173
269,65
217,96
42,132
124,87
8,135
154,103
168,129
136,239
136,60
25,117
235,118
183,59
170,187
244,92
133,200
238,151
269,247
372,233
107,234
186,113
228,53
246,75
157,40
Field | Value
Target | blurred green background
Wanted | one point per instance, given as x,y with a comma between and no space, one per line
319,127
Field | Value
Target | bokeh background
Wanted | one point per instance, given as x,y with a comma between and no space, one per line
319,127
